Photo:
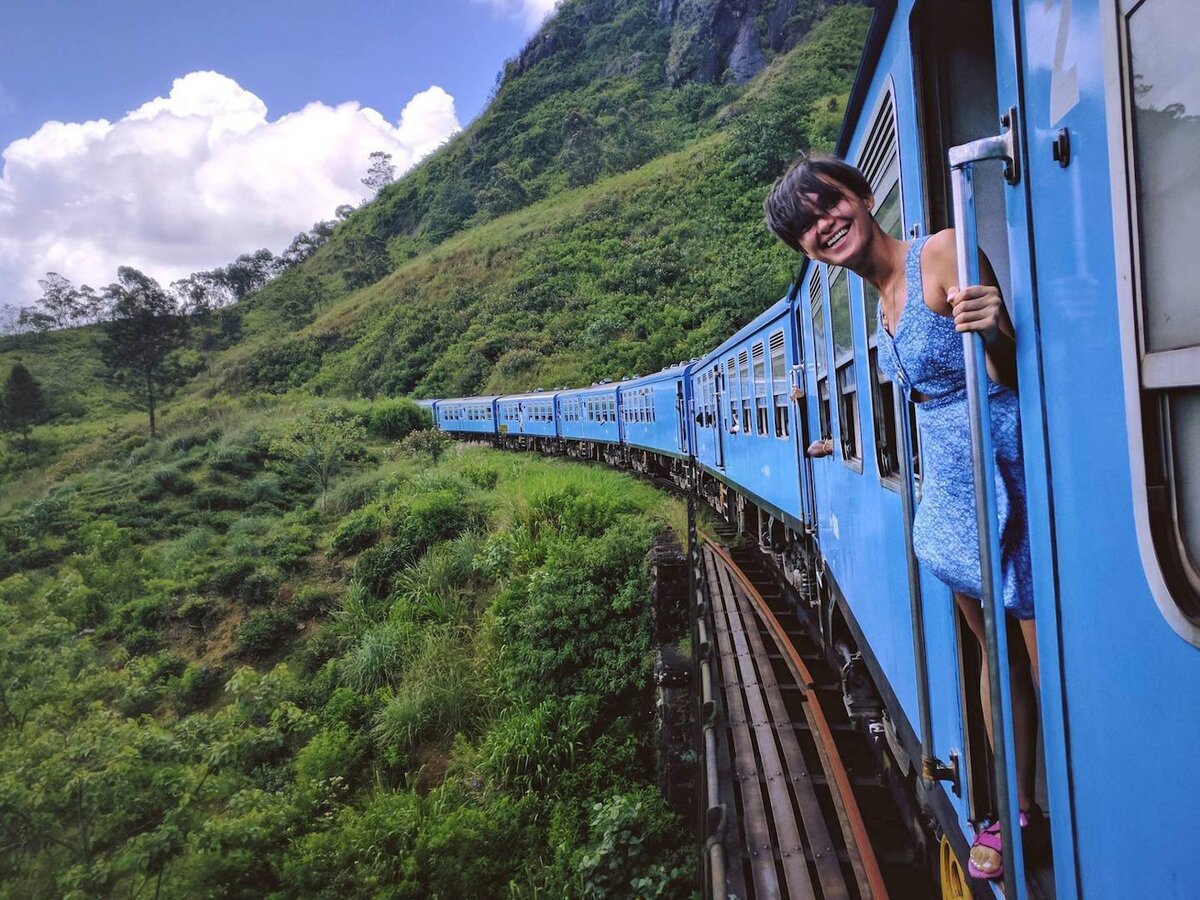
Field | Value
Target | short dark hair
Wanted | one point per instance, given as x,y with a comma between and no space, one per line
789,211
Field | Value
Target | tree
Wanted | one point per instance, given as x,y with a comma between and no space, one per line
305,244
318,444
380,173
145,326
22,405
60,300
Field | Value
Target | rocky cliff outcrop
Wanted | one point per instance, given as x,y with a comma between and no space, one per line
719,40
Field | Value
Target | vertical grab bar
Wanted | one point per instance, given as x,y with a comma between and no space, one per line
908,496
962,160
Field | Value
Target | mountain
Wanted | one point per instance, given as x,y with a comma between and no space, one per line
601,218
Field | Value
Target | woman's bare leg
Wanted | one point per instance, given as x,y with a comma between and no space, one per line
1023,676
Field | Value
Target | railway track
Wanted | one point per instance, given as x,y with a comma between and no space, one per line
795,804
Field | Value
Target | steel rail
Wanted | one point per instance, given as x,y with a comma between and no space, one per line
866,864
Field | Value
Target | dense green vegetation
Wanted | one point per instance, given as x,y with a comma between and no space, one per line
436,682
298,645
626,276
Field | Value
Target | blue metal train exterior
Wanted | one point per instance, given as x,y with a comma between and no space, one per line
1089,233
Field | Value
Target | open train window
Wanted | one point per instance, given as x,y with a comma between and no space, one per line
744,378
761,416
779,385
735,399
820,359
1162,115
844,368
879,162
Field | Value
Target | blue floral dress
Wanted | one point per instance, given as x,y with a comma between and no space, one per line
926,355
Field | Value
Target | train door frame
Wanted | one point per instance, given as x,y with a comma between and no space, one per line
1017,274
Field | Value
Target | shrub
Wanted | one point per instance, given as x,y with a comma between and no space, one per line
481,475
376,566
438,515
425,443
368,852
311,600
233,460
289,546
354,492
228,575
196,687
331,753
395,419
441,693
526,749
459,851
216,497
200,611
140,641
189,439
265,489
264,631
357,531
168,479
259,588
379,657
634,849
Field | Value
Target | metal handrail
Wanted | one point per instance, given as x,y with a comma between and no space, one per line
962,160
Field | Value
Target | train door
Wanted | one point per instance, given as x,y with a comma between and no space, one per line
681,417
716,395
969,76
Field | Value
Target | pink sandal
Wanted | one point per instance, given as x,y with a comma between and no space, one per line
989,838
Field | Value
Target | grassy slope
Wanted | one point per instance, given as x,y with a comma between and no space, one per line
627,275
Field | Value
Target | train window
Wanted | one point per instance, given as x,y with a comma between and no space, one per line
820,358
744,379
735,399
761,416
879,162
1162,99
779,385
843,363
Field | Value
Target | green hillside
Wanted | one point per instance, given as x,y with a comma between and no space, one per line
299,646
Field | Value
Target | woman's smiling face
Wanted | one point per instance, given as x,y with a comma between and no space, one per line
839,226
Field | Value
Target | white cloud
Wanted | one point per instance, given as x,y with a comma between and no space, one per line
532,12
188,181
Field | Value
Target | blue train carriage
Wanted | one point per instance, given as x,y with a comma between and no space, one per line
654,422
466,416
1089,225
589,422
527,421
744,420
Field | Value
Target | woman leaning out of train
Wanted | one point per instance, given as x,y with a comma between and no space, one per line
822,208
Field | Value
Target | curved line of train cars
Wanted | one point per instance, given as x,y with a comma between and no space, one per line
1092,245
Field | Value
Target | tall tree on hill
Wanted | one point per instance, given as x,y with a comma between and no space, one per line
144,327
380,173
59,299
21,405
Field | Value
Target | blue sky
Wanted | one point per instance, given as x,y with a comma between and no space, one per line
401,75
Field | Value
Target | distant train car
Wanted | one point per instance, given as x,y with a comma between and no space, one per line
746,441
654,421
589,422
527,421
466,415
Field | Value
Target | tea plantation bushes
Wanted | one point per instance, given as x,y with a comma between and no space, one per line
441,690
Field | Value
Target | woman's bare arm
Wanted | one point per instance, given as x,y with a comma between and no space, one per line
974,308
